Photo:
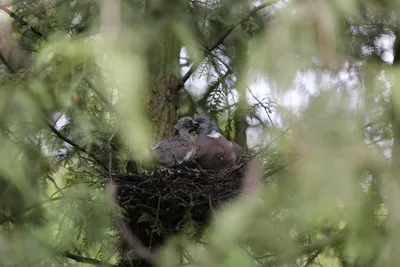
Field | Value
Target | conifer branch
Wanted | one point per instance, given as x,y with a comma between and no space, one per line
317,245
221,39
78,147
15,216
100,95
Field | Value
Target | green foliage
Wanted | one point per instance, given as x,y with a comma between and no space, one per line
78,113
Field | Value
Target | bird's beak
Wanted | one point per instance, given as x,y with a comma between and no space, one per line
195,125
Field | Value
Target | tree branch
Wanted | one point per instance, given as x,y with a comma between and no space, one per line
37,32
69,255
272,141
194,67
59,135
312,258
21,21
11,219
87,260
54,130
266,108
51,178
222,38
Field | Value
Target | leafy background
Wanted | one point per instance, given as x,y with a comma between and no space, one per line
83,80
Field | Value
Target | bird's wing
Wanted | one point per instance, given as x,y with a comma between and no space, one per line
164,154
183,148
207,145
214,153
237,147
241,154
175,151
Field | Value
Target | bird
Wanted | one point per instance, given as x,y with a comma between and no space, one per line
180,148
208,127
214,151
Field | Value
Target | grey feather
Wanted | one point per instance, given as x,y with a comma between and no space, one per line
181,148
208,127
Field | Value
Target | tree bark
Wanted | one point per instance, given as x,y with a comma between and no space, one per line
164,68
163,54
240,118
164,95
240,68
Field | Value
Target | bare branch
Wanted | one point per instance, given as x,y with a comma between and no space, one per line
267,146
267,109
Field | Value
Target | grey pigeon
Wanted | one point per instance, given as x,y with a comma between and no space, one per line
214,153
181,148
208,127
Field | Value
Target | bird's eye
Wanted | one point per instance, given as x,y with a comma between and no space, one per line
204,119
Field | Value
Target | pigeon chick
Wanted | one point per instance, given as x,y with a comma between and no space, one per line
180,148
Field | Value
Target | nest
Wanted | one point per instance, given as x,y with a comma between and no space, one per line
161,203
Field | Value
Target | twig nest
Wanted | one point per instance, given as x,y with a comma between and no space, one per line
160,203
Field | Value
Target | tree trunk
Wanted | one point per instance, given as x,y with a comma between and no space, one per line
164,68
163,53
240,124
164,91
240,67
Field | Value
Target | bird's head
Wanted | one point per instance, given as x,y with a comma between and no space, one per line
186,124
206,125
